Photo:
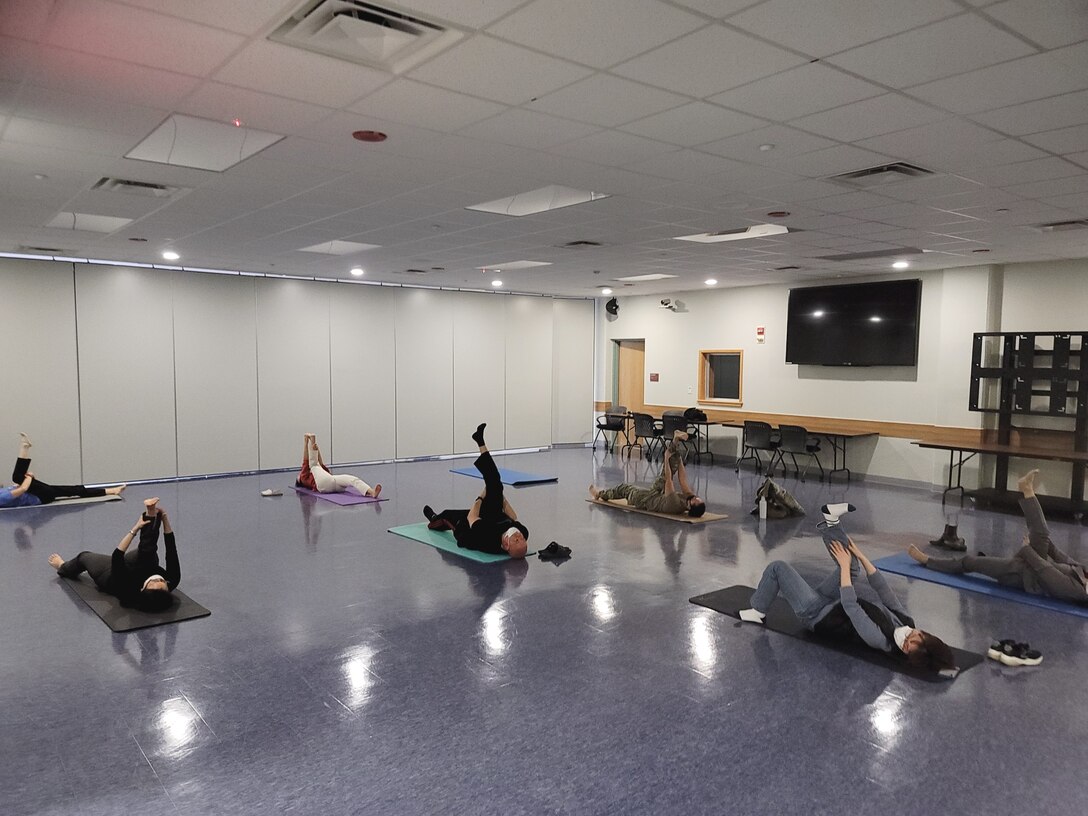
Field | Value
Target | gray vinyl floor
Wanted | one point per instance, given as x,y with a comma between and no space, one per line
345,670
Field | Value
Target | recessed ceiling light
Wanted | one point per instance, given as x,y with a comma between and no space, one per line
606,291
754,231
818,313
543,199
766,147
170,255
901,265
496,283
875,319
357,271
189,141
711,281
40,176
369,136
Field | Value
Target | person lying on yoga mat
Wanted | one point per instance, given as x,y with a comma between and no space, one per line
1038,567
490,525
27,490
662,496
315,476
848,606
135,578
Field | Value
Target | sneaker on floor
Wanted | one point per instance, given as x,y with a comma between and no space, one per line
997,648
956,544
1021,654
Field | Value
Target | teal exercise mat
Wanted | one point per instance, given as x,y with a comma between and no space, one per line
515,478
903,564
780,618
67,502
444,540
122,619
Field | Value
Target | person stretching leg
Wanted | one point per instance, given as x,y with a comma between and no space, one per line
662,496
327,482
27,490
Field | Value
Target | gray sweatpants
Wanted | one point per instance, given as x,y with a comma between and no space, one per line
1038,567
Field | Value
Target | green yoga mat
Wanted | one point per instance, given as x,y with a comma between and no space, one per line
444,540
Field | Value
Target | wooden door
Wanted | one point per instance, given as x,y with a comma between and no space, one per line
630,374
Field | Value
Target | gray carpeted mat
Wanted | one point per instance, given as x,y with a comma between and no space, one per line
67,502
122,619
780,618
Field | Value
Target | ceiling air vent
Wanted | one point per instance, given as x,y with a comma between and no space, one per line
37,250
580,244
785,268
414,272
141,188
868,256
1064,226
880,176
365,33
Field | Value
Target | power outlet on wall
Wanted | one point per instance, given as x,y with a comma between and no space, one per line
689,389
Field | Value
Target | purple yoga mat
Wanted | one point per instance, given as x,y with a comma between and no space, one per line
350,497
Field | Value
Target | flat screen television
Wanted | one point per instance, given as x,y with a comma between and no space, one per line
859,324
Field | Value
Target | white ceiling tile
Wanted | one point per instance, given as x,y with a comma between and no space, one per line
1024,172
710,61
965,158
1034,117
600,33
870,117
1022,80
832,161
612,148
414,103
285,71
464,13
718,8
526,128
487,67
1052,187
949,134
82,141
806,89
1079,158
929,187
787,142
607,100
1066,140
52,105
693,124
688,165
1051,23
250,18
938,50
829,26
225,103
135,35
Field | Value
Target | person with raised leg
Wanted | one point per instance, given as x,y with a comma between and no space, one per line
1038,567
134,577
670,493
315,476
490,525
27,490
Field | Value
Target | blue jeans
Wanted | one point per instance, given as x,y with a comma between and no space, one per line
809,603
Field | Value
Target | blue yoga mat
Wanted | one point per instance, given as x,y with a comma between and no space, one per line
903,564
509,477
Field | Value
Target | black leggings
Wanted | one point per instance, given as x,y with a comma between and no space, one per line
100,567
490,506
47,493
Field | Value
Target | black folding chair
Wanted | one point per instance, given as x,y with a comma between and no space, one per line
795,440
614,420
646,428
758,436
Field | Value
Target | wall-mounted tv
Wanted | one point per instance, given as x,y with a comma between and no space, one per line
860,324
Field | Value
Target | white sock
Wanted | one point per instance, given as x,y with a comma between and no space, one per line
833,511
751,615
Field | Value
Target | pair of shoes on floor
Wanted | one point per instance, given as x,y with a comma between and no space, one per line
554,551
1011,653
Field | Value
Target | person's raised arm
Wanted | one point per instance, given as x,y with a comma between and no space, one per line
682,476
877,582
866,629
670,488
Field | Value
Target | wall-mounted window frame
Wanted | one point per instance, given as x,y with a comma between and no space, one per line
721,377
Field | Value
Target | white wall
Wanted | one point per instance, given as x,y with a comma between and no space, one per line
143,374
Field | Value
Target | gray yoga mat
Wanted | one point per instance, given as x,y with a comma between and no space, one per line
67,502
122,619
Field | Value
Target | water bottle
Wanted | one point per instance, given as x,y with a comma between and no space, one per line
763,507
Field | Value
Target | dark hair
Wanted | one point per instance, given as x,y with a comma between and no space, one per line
933,654
696,510
154,600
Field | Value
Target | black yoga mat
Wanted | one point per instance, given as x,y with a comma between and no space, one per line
780,618
122,619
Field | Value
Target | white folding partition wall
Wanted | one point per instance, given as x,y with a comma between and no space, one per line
364,373
292,369
215,369
424,356
572,371
126,373
479,360
528,372
40,390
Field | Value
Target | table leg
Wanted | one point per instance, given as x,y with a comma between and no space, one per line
838,449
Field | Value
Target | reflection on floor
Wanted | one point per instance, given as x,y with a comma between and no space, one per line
345,670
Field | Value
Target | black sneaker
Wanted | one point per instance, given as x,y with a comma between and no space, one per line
428,512
956,544
1020,654
997,648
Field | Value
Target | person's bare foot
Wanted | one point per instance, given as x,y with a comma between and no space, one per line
917,554
594,492
376,491
24,440
55,561
116,491
151,507
1026,485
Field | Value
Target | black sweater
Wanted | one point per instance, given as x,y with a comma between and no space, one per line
127,579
